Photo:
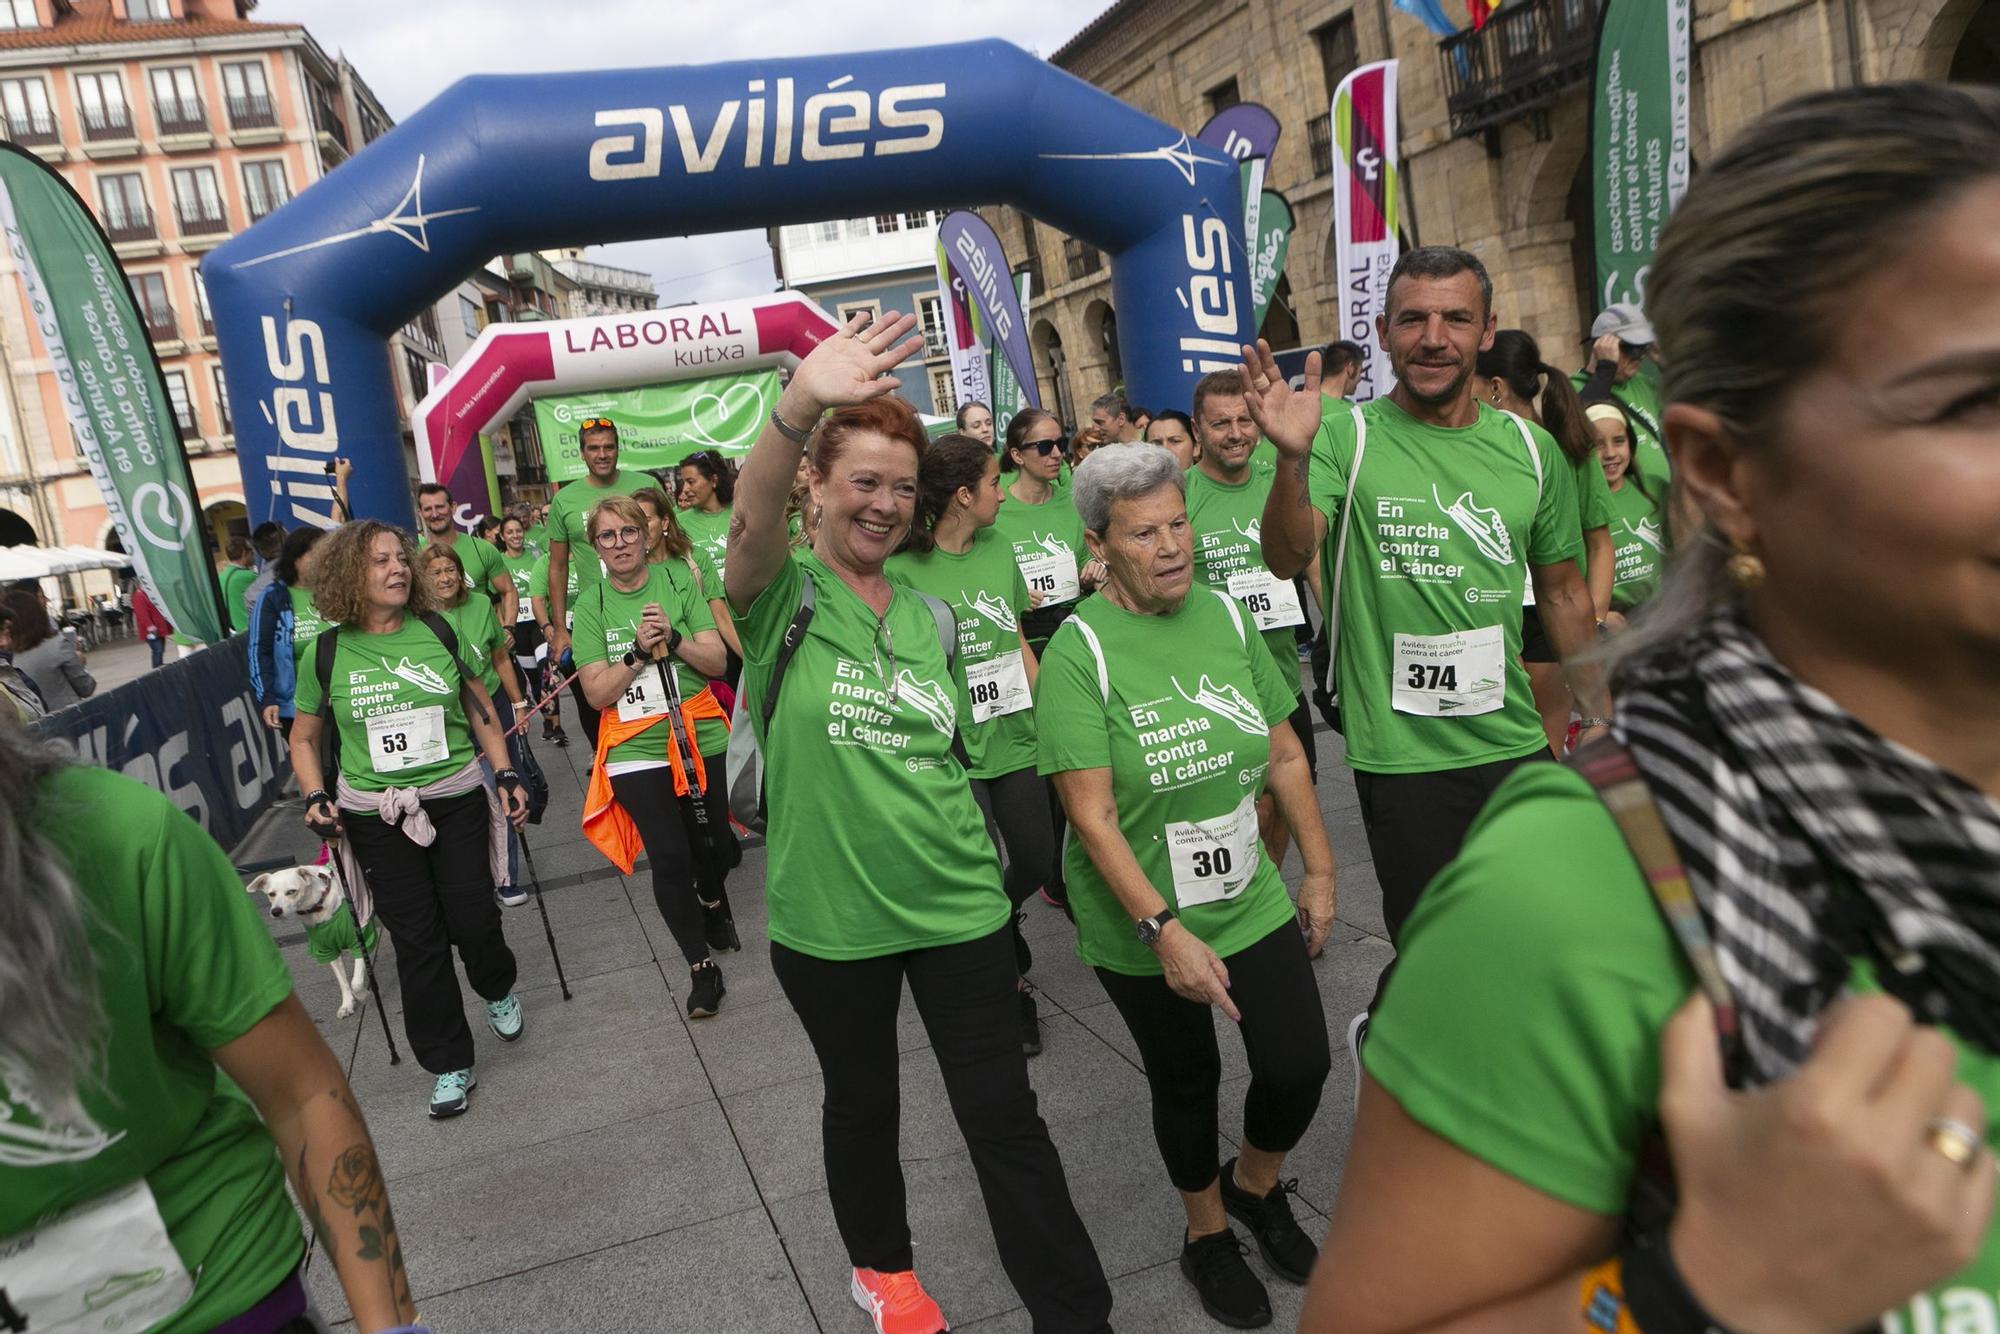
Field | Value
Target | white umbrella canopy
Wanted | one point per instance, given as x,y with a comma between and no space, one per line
15,566
99,557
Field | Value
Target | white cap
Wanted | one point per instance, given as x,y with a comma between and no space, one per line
1625,320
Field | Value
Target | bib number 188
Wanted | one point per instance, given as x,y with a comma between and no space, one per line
984,692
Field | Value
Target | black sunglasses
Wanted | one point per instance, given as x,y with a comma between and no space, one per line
1047,447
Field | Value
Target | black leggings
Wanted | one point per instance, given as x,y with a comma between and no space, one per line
586,716
648,797
1017,806
965,994
1284,1032
432,900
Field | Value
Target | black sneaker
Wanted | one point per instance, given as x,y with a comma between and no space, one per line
561,738
1228,1290
1280,1240
720,928
705,991
1031,1024
1024,958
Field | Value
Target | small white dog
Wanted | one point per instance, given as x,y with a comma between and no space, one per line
314,896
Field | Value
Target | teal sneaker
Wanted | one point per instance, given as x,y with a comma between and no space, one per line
504,1017
448,1094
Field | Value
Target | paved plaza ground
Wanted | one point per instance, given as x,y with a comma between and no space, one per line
623,1169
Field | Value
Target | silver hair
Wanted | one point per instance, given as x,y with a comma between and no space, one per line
1121,472
52,1025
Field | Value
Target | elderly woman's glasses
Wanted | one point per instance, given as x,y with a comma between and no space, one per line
618,537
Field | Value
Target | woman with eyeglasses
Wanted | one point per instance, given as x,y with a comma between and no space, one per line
881,873
707,490
639,616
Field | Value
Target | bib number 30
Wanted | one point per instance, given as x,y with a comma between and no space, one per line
1213,860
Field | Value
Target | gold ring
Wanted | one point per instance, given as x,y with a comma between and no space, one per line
1263,382
1957,1141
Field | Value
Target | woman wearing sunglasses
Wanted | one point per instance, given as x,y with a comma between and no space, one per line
707,492
1041,523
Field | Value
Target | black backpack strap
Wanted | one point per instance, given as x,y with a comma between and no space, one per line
947,628
447,636
795,634
325,645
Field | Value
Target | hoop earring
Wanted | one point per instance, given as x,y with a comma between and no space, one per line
1747,569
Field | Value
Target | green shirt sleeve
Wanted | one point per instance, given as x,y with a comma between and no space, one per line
1071,725
212,970
538,579
586,641
306,696
1522,1022
1593,494
1556,535
695,617
763,625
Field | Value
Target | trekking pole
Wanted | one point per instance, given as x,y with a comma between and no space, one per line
677,723
528,715
367,959
535,879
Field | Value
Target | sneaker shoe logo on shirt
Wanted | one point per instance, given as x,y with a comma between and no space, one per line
931,699
992,608
1647,531
1055,546
1226,702
1254,530
1483,525
419,675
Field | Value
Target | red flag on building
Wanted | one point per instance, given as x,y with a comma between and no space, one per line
1481,10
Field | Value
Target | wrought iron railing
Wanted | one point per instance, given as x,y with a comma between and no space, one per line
1526,55
1319,142
254,111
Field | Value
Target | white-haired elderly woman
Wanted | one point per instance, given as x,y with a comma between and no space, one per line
1162,718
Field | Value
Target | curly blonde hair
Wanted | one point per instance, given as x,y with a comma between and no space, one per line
340,572
432,555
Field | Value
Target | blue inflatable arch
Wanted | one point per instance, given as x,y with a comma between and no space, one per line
304,300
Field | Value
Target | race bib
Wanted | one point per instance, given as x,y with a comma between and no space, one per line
406,739
1273,601
1213,860
104,1265
644,698
1054,577
1449,676
998,686
524,609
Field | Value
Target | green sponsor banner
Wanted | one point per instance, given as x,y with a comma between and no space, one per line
1638,138
659,424
1267,257
113,391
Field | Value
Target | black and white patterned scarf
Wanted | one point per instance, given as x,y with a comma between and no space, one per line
1810,840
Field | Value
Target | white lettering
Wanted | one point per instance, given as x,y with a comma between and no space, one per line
854,122
929,119
602,168
711,152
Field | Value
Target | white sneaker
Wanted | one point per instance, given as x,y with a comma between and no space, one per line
1357,1033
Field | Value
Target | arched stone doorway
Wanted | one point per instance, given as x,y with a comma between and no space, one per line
225,519
1101,323
1049,356
16,531
1977,58
1281,327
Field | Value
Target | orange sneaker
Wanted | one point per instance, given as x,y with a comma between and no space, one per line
897,1302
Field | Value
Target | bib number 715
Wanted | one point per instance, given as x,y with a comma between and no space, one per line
1431,676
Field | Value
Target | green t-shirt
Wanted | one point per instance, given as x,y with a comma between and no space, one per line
306,626
1444,524
536,540
184,965
710,535
480,639
1523,1020
480,558
1048,545
1638,546
538,585
521,569
569,517
607,627
396,704
338,935
876,845
985,589
1227,523
235,579
1641,397
1180,710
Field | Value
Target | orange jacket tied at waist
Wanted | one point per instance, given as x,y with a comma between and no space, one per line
606,823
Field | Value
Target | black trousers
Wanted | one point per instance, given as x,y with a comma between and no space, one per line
965,994
1302,724
679,868
434,900
585,715
1017,809
1416,823
1284,1033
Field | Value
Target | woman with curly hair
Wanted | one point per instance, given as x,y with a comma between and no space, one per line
409,721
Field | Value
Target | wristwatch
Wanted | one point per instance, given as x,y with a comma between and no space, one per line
1149,928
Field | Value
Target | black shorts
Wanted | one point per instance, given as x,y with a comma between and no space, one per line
1302,723
1535,646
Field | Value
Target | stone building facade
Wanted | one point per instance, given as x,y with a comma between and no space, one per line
1497,168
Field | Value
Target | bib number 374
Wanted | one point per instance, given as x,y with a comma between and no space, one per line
1449,676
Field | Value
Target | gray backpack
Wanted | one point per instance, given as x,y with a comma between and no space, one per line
745,764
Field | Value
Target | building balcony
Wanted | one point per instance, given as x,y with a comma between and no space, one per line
1528,54
254,111
130,224
1319,142
34,130
108,125
260,205
161,326
182,119
202,221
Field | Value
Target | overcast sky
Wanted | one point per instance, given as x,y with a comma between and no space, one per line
411,50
